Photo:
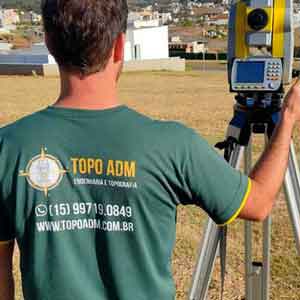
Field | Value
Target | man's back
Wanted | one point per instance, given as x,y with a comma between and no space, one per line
91,197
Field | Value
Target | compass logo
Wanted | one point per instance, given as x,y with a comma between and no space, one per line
44,172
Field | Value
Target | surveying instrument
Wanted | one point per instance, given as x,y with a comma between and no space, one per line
260,59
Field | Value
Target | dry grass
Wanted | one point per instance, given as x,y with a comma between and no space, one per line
201,101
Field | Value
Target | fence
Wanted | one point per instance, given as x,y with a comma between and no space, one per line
169,64
198,56
210,55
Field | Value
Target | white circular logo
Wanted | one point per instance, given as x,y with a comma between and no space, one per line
44,172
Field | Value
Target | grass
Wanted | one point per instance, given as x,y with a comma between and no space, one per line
200,100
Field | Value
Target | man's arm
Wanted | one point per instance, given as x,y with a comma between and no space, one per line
268,174
7,290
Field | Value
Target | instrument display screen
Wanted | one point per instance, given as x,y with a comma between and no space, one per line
250,72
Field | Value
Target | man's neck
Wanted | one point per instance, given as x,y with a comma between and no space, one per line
95,92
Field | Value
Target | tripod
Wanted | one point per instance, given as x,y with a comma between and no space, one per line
253,114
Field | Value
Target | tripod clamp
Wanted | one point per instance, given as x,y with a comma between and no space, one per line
258,113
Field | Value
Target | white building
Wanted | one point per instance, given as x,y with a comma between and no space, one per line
8,17
297,19
5,46
1,17
197,47
146,23
4,30
37,55
133,16
147,43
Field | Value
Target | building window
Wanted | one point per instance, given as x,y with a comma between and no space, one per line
137,52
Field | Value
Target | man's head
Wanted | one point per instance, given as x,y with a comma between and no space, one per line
85,35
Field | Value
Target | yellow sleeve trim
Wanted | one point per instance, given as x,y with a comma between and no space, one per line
6,242
242,205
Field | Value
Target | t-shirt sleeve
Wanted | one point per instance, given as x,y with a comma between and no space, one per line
211,183
6,225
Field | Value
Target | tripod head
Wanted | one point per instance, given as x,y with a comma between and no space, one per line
254,100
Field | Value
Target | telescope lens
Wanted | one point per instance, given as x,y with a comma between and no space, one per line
257,19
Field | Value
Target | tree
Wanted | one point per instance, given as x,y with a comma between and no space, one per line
187,23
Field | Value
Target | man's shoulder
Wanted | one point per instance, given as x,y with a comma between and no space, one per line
21,127
161,126
168,137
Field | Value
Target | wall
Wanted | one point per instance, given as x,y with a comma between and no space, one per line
153,42
5,46
26,59
147,23
170,64
128,45
128,52
21,69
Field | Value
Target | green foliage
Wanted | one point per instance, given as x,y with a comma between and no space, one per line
187,23
22,4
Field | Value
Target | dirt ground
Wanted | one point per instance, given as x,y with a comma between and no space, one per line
200,100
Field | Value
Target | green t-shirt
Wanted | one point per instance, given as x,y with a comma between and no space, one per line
91,198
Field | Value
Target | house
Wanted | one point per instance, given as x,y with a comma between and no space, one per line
148,18
146,23
147,43
4,30
165,18
297,19
188,45
37,54
25,17
36,18
219,20
212,33
8,17
5,46
197,47
1,17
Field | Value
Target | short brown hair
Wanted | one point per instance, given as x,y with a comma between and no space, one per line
81,33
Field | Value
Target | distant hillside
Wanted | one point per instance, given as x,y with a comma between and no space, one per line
21,4
35,4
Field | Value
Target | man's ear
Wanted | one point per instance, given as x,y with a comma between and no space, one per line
119,48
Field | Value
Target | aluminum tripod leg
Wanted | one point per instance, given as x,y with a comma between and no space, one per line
267,233
206,260
266,270
209,247
292,192
248,231
257,273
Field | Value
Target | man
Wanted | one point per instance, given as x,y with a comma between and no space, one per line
89,187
